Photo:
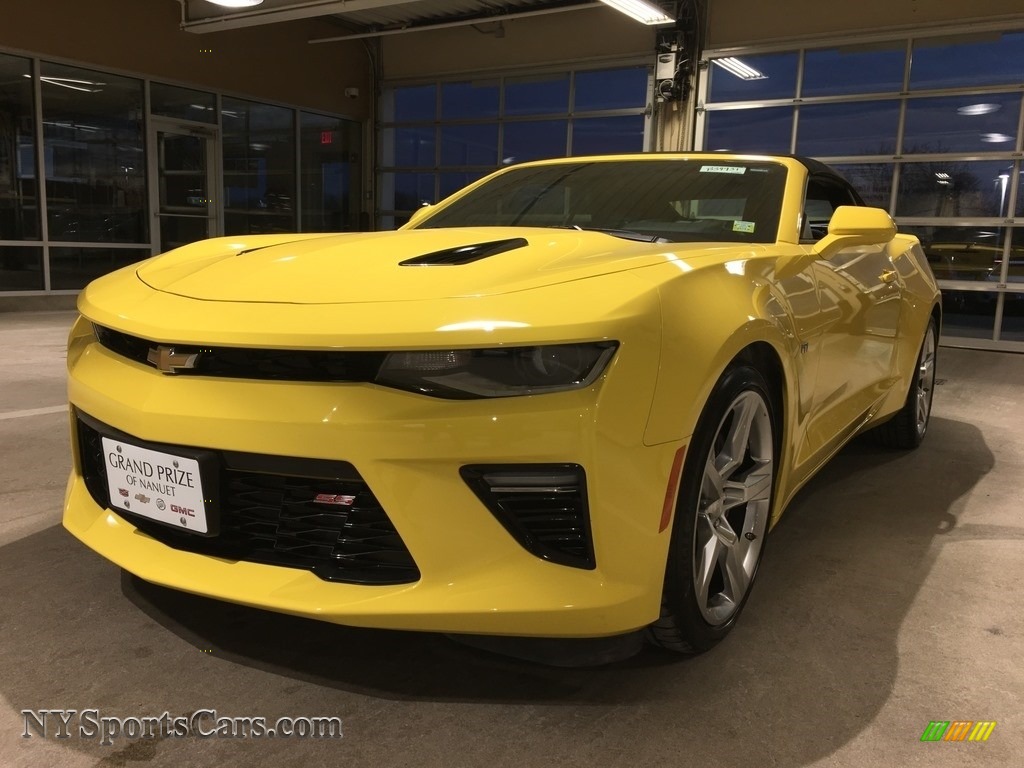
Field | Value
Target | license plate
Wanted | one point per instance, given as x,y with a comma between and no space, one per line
157,485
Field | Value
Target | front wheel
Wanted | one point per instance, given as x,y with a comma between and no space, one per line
722,513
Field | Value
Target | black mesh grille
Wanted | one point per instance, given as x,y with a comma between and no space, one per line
245,363
266,517
543,506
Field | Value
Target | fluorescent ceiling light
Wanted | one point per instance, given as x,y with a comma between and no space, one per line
236,3
642,11
941,175
70,82
979,109
734,66
995,138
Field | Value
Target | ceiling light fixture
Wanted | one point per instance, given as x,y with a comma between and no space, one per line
236,3
642,11
734,66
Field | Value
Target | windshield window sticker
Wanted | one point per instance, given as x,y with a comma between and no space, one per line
738,169
747,227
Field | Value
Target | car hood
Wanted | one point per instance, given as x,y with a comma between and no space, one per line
368,267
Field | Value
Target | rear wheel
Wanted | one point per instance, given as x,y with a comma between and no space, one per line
722,512
907,428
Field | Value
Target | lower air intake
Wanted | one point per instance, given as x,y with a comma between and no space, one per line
543,506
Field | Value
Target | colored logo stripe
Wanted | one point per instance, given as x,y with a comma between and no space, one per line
958,730
982,730
935,731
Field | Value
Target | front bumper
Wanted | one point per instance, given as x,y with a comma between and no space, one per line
474,576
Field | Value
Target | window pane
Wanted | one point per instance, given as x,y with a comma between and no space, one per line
19,203
872,180
453,182
1016,273
860,128
968,314
750,130
855,69
951,188
962,123
411,190
962,253
183,103
611,89
469,144
95,163
989,58
753,78
540,95
21,268
331,173
418,103
414,146
534,140
259,168
468,100
1013,317
600,135
73,268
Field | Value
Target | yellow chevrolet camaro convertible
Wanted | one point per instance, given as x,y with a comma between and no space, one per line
569,401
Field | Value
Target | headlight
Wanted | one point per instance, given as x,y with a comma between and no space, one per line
502,372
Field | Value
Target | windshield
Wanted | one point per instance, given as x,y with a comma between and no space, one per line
685,200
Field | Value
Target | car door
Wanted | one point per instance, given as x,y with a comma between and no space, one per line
859,294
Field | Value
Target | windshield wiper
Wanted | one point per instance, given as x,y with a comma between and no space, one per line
625,234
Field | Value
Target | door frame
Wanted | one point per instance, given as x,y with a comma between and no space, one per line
214,173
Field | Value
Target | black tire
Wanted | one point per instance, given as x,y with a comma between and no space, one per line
907,428
693,619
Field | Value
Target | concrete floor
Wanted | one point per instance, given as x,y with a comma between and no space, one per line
889,597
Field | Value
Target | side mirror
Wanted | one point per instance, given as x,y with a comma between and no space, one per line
418,214
853,225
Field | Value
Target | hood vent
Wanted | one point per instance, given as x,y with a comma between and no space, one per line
465,254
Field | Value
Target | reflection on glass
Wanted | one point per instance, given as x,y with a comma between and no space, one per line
860,128
604,135
73,268
611,89
469,100
752,78
968,314
95,163
21,268
750,130
875,68
19,204
987,58
414,146
979,123
330,173
469,144
952,188
184,196
872,180
962,253
537,95
182,103
416,103
259,168
534,140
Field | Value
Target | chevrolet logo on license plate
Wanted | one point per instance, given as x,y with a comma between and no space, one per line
166,359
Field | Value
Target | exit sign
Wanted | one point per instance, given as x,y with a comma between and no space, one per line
326,137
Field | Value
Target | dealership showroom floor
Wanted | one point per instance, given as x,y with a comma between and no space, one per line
889,597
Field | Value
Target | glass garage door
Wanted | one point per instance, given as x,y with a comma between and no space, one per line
437,137
929,128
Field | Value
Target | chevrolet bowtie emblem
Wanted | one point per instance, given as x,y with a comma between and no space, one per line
169,361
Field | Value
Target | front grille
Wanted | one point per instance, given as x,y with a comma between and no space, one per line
246,363
267,514
543,506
